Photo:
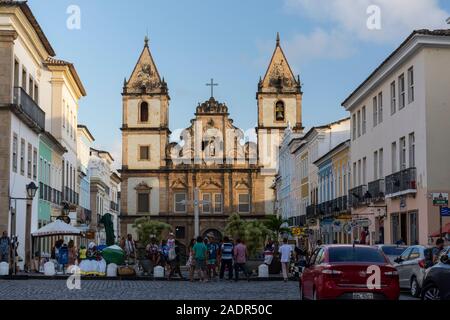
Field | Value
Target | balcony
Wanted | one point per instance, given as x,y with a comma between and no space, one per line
401,183
27,109
376,190
70,196
49,194
357,196
114,206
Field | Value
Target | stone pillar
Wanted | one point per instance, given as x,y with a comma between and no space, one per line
7,38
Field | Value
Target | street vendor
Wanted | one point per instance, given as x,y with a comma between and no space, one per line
94,264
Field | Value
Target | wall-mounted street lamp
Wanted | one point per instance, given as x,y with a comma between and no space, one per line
31,189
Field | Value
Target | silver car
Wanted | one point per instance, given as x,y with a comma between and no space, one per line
411,266
391,251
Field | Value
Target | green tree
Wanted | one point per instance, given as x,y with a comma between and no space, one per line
235,226
254,233
146,228
276,226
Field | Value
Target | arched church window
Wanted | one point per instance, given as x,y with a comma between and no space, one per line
279,111
144,112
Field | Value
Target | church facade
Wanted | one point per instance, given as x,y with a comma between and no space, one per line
163,180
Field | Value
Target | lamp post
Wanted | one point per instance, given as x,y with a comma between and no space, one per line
196,204
31,189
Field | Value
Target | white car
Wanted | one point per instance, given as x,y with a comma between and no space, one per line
391,251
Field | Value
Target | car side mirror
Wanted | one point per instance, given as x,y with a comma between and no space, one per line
398,260
444,259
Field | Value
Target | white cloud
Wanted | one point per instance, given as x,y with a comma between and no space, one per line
318,45
349,17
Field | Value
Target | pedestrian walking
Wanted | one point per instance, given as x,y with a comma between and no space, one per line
5,247
226,260
73,253
153,253
130,249
285,251
175,264
190,264
213,249
240,260
200,255
269,250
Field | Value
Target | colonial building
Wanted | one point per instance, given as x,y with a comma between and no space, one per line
400,146
85,139
160,179
333,182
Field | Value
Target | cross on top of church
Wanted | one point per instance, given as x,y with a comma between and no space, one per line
212,85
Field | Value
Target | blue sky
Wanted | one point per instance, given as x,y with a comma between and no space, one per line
326,42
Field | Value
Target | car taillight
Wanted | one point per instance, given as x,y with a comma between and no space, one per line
331,272
422,264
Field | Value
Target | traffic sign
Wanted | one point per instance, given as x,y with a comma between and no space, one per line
440,199
445,212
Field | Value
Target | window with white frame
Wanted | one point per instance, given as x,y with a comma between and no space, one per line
364,120
380,165
375,165
402,153
358,120
35,156
29,160
411,85
244,203
22,157
364,179
180,202
401,91
394,157
380,107
206,206
375,111
354,126
393,98
15,152
412,150
218,203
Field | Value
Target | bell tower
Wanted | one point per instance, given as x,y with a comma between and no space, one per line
279,106
145,128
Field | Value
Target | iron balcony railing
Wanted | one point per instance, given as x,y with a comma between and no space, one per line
114,206
376,190
71,196
49,194
357,195
401,181
26,105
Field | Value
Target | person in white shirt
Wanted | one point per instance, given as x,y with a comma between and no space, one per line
285,252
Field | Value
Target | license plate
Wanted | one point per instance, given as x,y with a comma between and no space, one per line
363,296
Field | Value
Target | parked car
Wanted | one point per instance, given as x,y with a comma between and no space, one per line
411,266
436,284
342,272
391,251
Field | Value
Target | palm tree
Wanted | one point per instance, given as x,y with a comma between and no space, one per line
147,228
277,226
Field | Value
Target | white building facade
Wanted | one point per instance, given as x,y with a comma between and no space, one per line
399,145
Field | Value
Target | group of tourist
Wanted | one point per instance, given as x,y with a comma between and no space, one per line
207,256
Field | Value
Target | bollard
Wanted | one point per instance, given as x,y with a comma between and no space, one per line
158,272
263,271
4,269
111,271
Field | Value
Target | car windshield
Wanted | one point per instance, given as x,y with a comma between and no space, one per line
355,254
393,250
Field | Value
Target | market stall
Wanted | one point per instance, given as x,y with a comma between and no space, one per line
52,232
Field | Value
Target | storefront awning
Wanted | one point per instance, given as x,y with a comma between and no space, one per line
445,229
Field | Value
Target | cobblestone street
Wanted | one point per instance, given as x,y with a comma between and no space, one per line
148,290
151,290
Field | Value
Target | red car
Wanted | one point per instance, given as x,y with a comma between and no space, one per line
343,271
